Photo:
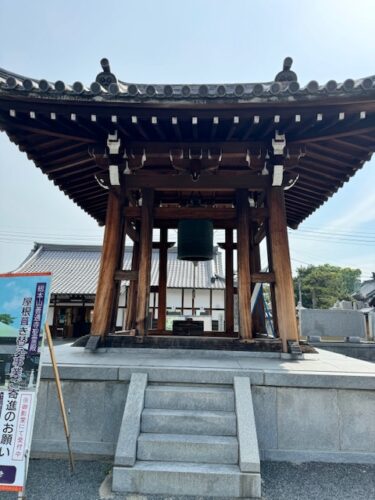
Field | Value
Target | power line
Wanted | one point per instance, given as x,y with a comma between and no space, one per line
333,239
333,235
337,231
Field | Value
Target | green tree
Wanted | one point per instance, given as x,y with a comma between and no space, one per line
323,285
6,318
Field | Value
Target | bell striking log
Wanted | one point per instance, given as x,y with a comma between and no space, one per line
195,240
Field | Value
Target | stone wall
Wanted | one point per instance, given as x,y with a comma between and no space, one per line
95,410
332,323
300,416
315,424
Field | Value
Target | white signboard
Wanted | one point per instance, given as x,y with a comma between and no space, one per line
24,300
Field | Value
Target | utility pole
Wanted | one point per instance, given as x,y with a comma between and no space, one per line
299,305
313,298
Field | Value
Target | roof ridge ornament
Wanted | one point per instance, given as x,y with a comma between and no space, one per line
286,75
105,78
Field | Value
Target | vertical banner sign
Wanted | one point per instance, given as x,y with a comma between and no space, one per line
24,300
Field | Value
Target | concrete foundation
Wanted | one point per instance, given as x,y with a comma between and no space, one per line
363,350
319,408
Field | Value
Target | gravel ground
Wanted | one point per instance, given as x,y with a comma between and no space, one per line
317,481
51,480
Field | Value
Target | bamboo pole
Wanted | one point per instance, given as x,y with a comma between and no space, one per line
60,395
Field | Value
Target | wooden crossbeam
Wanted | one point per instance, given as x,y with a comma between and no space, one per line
176,213
157,244
132,233
183,182
263,277
125,275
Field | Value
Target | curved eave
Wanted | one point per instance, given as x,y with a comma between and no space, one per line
335,123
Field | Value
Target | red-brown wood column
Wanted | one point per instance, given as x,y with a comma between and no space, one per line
284,292
132,292
145,255
113,243
229,287
272,285
118,282
163,263
258,316
243,263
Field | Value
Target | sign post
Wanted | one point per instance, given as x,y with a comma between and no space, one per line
24,301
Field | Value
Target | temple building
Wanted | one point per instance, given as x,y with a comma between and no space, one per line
250,159
195,292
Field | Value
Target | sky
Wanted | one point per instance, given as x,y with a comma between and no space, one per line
170,41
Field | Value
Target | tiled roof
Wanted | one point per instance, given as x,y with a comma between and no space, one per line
367,290
75,268
284,87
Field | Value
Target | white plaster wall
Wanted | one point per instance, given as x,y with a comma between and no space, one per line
218,299
121,301
120,317
173,297
50,315
202,298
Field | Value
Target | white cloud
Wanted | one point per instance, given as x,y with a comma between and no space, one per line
362,211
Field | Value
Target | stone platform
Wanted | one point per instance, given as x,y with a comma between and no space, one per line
319,408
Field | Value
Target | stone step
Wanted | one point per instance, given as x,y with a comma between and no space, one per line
168,478
213,423
188,448
185,397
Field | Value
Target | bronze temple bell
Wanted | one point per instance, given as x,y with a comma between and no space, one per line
195,240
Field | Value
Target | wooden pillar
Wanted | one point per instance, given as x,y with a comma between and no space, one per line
243,263
132,291
272,285
163,266
258,316
145,255
110,261
284,292
117,292
229,287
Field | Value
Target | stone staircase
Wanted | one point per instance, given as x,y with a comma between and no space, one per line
187,443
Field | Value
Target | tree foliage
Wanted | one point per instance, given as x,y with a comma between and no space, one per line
323,285
7,319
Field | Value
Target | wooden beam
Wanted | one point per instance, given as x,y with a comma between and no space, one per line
176,213
243,252
182,182
125,275
145,251
225,245
259,277
156,245
284,292
334,135
51,133
163,265
132,233
110,262
260,234
229,291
